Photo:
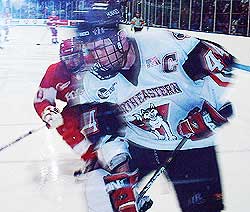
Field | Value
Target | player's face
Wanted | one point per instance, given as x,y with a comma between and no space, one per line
106,57
107,52
73,61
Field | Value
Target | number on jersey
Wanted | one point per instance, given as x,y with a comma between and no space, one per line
214,64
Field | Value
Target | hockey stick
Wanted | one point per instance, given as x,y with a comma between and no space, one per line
241,67
162,168
21,137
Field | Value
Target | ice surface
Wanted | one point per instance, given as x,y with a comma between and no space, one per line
36,173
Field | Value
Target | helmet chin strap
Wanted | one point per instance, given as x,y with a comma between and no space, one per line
78,68
124,53
74,70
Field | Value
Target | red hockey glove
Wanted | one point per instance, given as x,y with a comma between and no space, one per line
120,187
200,123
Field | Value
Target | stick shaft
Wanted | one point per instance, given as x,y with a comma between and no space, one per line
162,168
21,138
241,67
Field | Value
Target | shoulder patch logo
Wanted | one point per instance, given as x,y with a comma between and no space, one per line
153,61
104,93
61,86
180,36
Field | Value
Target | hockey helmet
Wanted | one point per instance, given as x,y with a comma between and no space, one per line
71,54
102,38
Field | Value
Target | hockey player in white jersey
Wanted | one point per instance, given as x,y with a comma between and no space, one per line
168,86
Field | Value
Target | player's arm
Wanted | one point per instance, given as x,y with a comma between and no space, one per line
208,59
44,101
142,22
95,130
210,62
132,24
89,126
49,21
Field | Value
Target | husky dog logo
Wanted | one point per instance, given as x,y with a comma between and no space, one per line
154,119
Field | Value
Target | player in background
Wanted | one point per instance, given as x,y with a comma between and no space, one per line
167,88
1,36
53,24
4,26
137,23
7,22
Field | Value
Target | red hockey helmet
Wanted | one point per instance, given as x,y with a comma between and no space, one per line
71,54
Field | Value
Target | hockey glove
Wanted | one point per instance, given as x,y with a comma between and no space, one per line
121,189
52,117
201,123
100,121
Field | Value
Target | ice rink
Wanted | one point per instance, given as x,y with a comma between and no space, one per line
36,173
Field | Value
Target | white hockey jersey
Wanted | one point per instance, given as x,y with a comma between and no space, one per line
162,94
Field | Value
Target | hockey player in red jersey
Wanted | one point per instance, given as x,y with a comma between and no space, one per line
165,89
57,83
53,24
4,26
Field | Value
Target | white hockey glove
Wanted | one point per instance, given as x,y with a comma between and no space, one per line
52,117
